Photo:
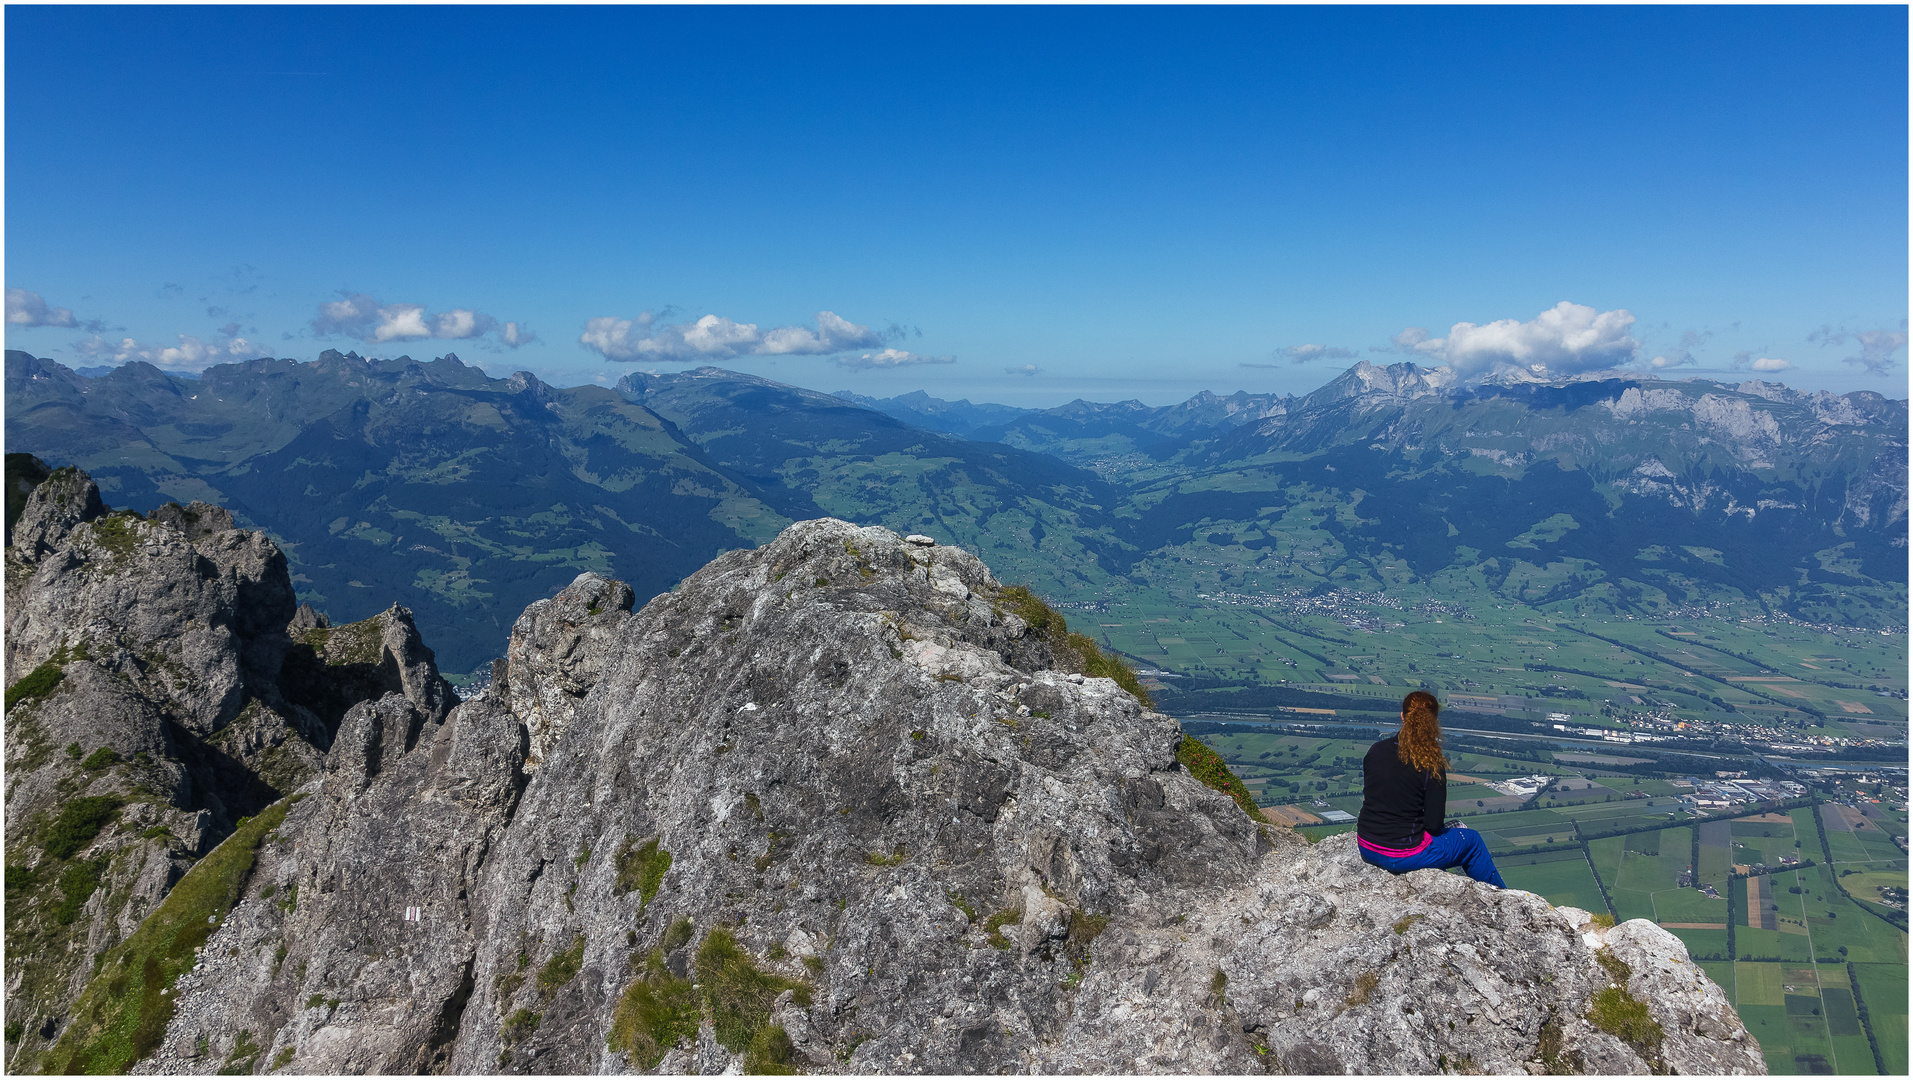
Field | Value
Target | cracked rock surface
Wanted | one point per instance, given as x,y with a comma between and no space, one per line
152,672
933,848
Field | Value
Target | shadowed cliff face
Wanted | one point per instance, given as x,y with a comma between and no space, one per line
156,699
834,806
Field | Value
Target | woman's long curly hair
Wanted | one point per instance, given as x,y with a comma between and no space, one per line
1420,742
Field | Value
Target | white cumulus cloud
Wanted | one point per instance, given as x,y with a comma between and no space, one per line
715,337
30,309
1025,369
364,318
1566,339
401,322
461,323
1769,363
891,358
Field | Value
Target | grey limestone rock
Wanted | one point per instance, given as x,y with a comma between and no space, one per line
933,850
555,654
150,672
63,500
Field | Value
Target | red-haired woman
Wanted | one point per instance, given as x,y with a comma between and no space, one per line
1404,795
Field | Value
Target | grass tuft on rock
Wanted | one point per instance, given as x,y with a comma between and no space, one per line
1207,766
1365,984
738,995
518,1026
679,935
1047,623
562,967
79,822
993,926
35,684
104,758
77,883
770,1053
656,1012
1625,1017
641,868
1617,968
124,1010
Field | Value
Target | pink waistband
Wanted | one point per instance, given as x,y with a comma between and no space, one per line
1397,853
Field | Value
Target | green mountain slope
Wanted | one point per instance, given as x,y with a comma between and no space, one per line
1619,495
466,497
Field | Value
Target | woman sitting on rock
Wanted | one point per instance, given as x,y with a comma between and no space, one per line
1404,795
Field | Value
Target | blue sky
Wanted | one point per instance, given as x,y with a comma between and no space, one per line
1022,205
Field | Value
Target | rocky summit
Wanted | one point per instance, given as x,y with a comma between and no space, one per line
840,804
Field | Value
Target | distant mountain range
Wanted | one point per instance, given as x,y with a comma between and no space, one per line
467,497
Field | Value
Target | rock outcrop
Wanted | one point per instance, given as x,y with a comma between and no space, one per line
845,804
155,699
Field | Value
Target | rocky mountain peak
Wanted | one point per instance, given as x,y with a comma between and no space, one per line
162,689
845,803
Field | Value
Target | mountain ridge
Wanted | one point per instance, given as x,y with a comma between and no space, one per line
494,491
840,803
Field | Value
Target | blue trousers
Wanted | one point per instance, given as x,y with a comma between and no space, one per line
1456,846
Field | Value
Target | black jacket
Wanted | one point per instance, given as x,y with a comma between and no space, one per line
1398,802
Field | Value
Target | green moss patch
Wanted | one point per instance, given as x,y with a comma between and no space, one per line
895,858
519,1025
124,1010
1617,968
641,868
1205,765
993,926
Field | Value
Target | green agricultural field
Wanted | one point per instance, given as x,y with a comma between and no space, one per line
1846,847
1879,846
1722,972
1466,795
1758,984
1606,856
1525,821
1771,945
1873,877
1690,906
1768,841
1883,987
1562,877
1716,850
1705,943
1790,1034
